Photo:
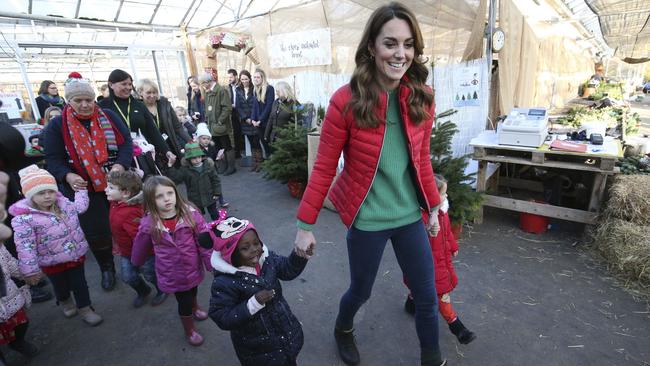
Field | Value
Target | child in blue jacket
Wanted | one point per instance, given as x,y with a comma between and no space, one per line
247,296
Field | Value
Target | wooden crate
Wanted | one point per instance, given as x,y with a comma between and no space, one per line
547,158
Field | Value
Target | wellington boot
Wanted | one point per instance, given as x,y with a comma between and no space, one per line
231,161
193,337
347,346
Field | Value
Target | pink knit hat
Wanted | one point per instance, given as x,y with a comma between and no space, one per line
228,233
34,180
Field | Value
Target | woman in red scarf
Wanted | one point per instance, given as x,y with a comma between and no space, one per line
86,143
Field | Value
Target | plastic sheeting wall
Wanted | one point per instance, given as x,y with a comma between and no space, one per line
471,120
541,64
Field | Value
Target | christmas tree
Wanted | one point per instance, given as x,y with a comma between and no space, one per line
464,201
289,159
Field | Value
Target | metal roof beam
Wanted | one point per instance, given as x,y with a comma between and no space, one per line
119,9
155,11
76,13
194,13
94,46
187,13
84,22
216,13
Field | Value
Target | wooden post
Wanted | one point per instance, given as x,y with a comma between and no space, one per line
481,176
189,51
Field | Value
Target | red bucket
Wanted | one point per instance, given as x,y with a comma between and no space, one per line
531,223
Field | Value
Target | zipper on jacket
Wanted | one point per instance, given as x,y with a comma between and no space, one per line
374,175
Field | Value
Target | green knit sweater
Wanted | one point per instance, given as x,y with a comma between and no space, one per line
392,200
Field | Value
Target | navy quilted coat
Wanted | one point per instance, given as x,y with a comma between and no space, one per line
271,337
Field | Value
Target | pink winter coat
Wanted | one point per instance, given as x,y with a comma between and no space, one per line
43,239
16,298
178,255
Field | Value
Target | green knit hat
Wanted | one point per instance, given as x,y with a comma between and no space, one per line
193,150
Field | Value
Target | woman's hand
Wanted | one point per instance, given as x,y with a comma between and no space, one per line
117,168
255,123
171,157
76,182
434,226
305,243
33,279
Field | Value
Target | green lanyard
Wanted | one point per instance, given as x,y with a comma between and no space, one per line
157,121
126,118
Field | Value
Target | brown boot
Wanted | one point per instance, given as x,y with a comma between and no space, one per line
255,160
259,159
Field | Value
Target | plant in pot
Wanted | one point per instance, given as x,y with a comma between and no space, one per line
288,163
464,201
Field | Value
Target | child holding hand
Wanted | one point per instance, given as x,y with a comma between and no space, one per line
247,296
49,240
443,248
124,192
171,227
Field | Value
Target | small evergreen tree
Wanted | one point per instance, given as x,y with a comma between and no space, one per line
289,158
464,201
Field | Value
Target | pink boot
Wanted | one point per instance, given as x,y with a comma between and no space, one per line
199,314
193,337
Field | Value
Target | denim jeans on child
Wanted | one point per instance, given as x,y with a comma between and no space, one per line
411,246
72,279
131,273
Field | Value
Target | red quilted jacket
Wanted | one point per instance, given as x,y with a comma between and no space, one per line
442,247
125,220
361,150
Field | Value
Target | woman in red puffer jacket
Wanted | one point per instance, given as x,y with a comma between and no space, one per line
381,122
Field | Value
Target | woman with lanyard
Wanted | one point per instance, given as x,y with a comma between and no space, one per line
382,122
84,144
133,111
164,115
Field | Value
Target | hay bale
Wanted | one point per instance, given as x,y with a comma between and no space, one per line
626,247
629,199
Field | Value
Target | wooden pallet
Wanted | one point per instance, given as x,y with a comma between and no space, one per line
547,158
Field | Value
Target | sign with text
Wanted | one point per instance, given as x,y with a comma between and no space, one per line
12,104
308,48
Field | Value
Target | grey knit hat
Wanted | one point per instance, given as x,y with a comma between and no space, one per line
76,86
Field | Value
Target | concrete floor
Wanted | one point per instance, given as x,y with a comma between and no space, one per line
532,300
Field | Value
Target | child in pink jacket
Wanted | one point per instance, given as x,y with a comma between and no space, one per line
49,240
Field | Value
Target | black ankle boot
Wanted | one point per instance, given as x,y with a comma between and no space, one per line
40,294
108,280
347,346
143,291
409,305
463,334
431,358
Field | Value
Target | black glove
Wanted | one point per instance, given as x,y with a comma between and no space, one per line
205,241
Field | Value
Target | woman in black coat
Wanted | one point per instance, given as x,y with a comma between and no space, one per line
244,106
164,115
48,96
283,112
133,112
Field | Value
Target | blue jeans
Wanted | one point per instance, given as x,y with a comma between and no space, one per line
411,246
131,274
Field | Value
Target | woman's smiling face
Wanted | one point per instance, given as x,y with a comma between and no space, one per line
393,50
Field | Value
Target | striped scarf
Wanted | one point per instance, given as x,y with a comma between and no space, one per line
91,147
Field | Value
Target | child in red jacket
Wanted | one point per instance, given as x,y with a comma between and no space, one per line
124,191
443,248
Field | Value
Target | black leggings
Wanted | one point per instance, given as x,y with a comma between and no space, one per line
72,279
222,142
185,301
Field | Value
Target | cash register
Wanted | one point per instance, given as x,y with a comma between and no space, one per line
524,127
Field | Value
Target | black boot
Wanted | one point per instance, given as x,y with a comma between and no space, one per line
431,358
231,161
222,166
20,345
40,294
105,260
347,346
463,334
409,305
143,291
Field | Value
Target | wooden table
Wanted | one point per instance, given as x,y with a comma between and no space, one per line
599,160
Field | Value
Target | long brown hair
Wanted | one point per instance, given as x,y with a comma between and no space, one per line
183,208
364,84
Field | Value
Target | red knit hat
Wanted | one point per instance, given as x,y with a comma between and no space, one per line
74,75
228,233
34,180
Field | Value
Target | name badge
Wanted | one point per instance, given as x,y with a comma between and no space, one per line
164,136
210,108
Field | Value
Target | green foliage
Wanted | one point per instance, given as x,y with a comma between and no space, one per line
639,164
463,200
610,116
289,158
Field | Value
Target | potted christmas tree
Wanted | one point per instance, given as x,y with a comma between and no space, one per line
288,163
464,201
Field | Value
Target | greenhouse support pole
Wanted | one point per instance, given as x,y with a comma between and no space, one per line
132,63
172,93
183,64
155,67
488,52
23,73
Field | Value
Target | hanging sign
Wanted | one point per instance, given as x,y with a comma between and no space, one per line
12,104
467,86
308,48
